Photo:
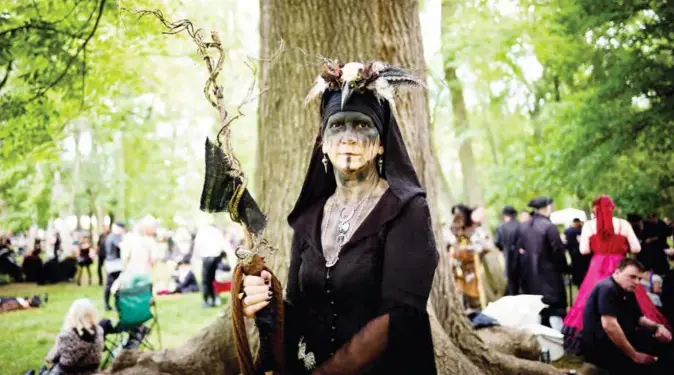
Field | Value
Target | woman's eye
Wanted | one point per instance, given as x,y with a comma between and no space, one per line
336,124
363,125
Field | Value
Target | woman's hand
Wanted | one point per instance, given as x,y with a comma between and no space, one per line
256,294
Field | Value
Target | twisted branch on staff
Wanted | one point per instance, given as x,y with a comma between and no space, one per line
270,320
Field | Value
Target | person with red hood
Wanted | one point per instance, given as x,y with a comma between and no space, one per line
609,239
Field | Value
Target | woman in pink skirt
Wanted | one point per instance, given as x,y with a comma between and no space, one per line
609,239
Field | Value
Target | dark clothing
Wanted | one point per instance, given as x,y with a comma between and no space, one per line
84,262
579,262
368,313
51,272
7,264
112,251
543,264
609,299
109,280
652,254
189,284
99,270
112,255
68,268
54,271
32,268
84,259
506,240
209,266
667,296
385,270
57,246
101,257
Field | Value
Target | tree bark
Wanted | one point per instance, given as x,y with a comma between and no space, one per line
348,30
472,191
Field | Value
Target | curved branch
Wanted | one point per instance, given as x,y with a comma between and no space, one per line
41,25
6,77
58,79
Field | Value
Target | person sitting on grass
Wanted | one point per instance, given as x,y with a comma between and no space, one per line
32,264
79,346
19,303
616,336
183,281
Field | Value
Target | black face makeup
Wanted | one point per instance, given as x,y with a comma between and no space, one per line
351,141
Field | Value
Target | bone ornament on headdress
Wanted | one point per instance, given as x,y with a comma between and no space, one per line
379,77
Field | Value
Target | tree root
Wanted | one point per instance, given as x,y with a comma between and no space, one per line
211,351
510,341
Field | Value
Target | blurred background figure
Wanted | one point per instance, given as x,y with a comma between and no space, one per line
79,346
32,264
579,262
138,246
84,260
506,241
210,244
101,253
113,259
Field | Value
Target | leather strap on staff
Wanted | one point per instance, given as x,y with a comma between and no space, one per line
247,367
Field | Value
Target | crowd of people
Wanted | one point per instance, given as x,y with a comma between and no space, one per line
121,254
363,257
620,317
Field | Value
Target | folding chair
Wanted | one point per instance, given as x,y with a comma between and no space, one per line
136,307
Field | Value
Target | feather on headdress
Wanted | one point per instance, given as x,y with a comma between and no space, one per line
379,77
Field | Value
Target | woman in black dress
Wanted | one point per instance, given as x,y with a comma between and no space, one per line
84,260
363,253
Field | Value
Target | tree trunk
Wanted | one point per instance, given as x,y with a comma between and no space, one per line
472,191
349,30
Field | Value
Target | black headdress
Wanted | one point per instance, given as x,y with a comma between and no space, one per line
369,89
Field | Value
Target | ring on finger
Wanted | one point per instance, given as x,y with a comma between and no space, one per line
242,295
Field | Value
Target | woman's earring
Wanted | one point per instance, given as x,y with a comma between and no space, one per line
380,164
325,162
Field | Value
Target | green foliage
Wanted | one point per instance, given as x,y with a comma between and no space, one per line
101,112
598,118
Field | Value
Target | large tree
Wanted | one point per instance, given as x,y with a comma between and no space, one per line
348,30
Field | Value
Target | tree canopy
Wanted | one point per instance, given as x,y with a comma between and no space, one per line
100,112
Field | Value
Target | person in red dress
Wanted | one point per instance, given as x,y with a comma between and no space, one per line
609,239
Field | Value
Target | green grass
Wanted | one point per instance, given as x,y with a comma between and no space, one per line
27,335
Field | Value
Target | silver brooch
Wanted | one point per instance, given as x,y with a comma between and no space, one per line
308,358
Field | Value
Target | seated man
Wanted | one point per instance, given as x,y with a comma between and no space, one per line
616,336
186,282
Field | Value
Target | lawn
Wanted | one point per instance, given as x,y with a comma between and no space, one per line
27,335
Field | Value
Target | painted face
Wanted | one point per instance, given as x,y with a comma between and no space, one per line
351,141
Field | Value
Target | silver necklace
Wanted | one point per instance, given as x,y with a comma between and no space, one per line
344,227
